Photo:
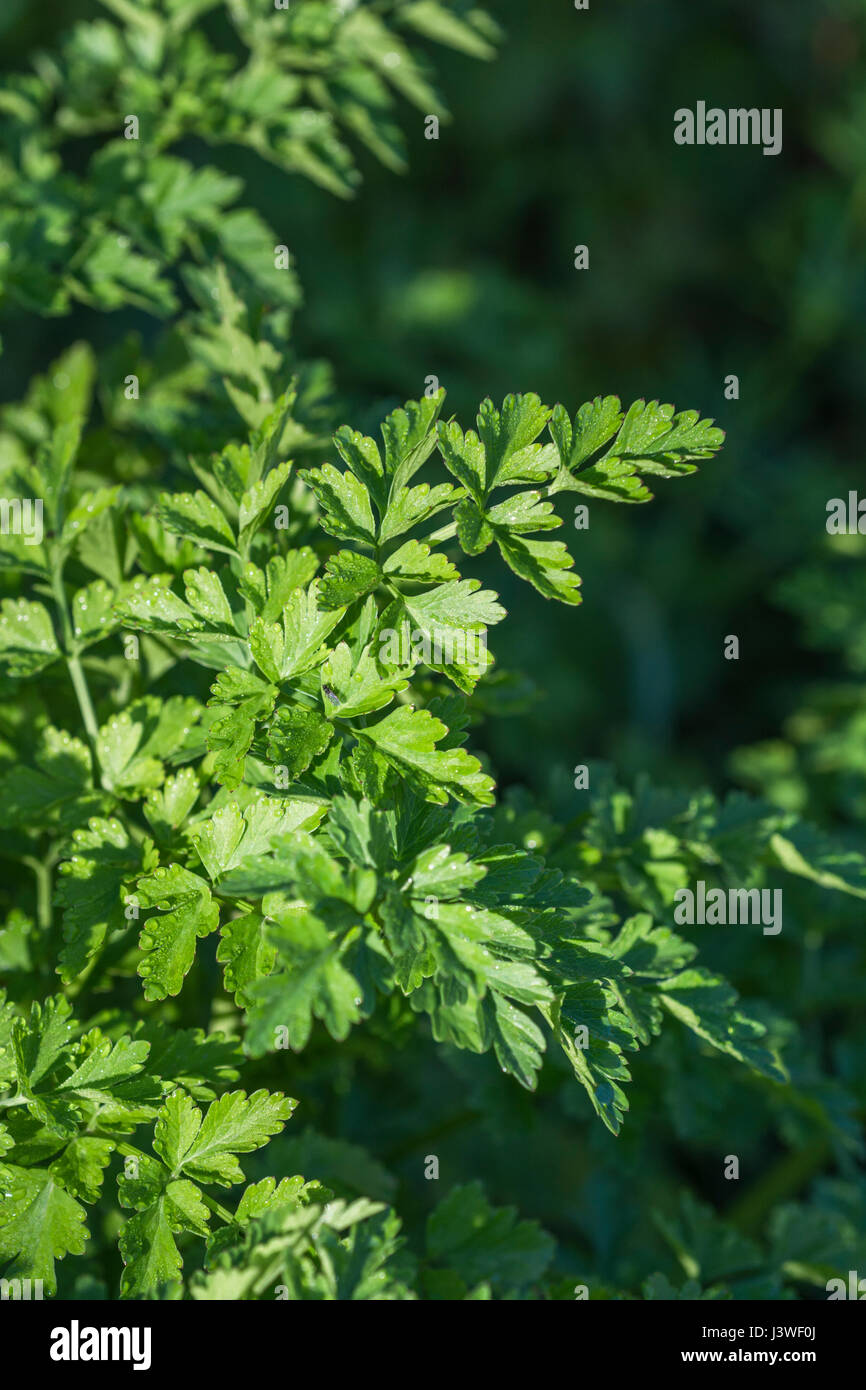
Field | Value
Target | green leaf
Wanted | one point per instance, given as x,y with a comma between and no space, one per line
166,809
409,438
595,424
297,737
27,641
231,836
169,940
131,747
165,1207
56,792
310,980
808,853
410,506
503,452
93,615
407,738
288,649
471,33
461,604
56,461
245,954
345,503
207,598
708,1005
270,591
257,502
196,517
415,560
242,700
707,1248
546,565
105,1067
477,1241
649,438
151,606
474,531
39,1223
80,1169
663,442
205,1150
95,890
42,1039
353,687
348,576
88,509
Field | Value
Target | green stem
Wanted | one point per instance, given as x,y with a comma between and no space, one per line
243,560
222,1212
13,1100
42,874
70,652
445,533
82,694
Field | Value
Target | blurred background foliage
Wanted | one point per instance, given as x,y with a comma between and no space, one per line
704,262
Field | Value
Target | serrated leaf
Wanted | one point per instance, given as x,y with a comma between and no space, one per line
57,791
309,980
345,503
205,1149
242,700
39,1223
284,650
245,954
407,738
479,1242
348,576
708,1005
546,565
807,852
416,561
231,836
94,888
257,502
296,737
168,807
196,517
27,641
80,1169
169,940
356,686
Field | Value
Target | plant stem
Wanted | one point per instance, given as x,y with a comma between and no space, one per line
42,874
445,533
82,694
220,1211
70,652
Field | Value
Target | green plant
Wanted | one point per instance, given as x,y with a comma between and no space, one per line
247,834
